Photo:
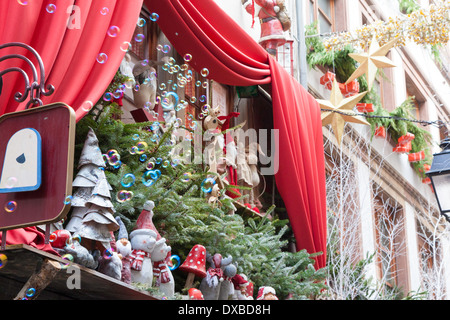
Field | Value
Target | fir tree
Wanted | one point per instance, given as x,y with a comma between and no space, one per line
182,214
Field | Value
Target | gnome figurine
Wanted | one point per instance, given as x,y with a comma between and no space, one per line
266,293
226,291
240,283
143,240
110,263
124,250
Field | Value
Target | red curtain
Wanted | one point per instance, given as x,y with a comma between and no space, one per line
216,42
69,35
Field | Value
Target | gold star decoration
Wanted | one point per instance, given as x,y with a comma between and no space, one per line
337,102
370,61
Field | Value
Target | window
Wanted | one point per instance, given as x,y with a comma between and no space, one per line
343,210
285,56
432,265
444,131
140,38
390,240
323,12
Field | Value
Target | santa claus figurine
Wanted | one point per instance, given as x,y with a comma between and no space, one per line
272,33
266,293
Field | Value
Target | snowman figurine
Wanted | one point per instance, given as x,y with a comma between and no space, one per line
161,272
143,241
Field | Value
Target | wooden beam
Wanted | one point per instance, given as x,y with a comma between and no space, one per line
39,280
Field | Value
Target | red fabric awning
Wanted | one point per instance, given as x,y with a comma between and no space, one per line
216,42
69,39
69,43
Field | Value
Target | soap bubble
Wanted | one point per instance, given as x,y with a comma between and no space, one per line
108,96
143,157
51,8
142,146
3,260
52,237
139,37
113,31
104,11
23,2
124,195
187,57
204,72
150,165
102,58
171,99
11,182
141,22
108,253
208,184
154,16
166,48
11,206
87,106
125,46
67,257
77,237
113,156
186,177
175,260
133,150
148,178
68,200
165,163
30,292
128,180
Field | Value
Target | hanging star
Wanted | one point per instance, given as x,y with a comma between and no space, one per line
370,61
337,102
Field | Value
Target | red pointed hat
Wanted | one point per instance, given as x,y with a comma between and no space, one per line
144,223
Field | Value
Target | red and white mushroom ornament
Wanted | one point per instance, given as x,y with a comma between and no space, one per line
195,264
195,294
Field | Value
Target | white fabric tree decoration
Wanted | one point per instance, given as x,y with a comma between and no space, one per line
92,215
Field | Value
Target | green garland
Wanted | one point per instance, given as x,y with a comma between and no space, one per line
344,66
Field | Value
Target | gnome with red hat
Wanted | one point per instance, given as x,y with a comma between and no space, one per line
143,241
266,293
241,283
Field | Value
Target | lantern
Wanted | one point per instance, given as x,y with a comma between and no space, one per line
439,175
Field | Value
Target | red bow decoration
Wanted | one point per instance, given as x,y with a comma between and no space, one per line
216,272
